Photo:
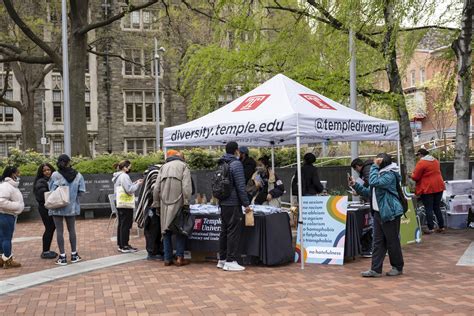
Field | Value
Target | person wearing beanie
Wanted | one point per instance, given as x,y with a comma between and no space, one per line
430,187
11,205
67,176
311,185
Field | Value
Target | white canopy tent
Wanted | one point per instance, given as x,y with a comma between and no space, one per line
281,112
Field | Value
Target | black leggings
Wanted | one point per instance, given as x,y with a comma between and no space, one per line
49,227
71,227
125,221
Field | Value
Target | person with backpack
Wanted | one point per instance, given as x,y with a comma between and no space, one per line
228,186
430,187
387,208
40,187
171,196
67,176
248,162
11,205
122,181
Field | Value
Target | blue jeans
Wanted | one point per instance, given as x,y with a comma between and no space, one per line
168,247
7,226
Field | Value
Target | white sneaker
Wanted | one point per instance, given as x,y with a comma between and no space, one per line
233,266
220,264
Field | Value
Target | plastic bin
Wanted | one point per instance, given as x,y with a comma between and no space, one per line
459,187
456,220
460,204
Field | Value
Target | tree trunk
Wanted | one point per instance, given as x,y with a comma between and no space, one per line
28,130
396,88
462,104
77,62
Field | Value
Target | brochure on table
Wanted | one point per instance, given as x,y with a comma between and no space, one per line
324,230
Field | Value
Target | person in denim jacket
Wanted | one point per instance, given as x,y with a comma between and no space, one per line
67,176
387,211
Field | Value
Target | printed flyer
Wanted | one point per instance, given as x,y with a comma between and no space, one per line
324,230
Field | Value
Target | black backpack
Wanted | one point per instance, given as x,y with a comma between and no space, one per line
221,183
402,199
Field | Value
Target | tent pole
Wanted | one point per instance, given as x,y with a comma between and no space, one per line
399,157
164,151
353,92
300,191
273,157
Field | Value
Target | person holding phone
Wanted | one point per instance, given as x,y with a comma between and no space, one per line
125,215
387,211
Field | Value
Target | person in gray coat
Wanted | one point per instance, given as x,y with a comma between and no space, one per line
172,194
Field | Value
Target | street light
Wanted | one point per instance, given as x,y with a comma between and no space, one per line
43,122
67,114
157,94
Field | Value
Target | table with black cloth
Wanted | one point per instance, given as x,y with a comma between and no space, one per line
269,241
354,225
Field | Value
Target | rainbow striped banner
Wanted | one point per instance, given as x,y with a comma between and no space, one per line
324,230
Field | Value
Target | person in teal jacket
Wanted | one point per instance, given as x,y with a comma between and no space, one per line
387,211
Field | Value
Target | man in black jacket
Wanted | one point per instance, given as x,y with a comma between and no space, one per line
248,163
231,211
311,185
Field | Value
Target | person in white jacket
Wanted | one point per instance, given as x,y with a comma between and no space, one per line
125,215
11,204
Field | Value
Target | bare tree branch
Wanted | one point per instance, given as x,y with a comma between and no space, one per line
190,7
8,56
116,17
426,27
13,48
45,71
101,54
338,25
371,72
30,34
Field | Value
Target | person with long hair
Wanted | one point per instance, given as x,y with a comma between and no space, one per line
67,176
11,205
266,186
40,187
387,211
125,215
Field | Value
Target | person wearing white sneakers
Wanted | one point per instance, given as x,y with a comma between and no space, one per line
231,208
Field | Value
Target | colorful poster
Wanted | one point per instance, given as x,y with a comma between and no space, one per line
410,230
324,230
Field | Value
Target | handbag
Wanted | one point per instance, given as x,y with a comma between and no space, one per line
57,199
183,223
123,199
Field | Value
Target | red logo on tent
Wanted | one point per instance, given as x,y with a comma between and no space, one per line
251,103
317,101
198,224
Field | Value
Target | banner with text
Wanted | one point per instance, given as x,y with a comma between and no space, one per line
324,229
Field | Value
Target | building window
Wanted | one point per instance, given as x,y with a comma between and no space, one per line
140,106
57,106
412,78
88,105
139,20
58,148
140,145
5,147
422,75
132,67
6,112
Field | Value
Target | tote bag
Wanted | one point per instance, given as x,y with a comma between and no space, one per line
123,199
57,199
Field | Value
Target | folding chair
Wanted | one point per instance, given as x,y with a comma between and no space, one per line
113,209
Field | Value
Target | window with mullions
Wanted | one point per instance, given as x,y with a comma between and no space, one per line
140,106
139,20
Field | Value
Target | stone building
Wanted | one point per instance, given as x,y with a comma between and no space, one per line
120,90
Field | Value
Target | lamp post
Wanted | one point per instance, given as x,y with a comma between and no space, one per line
157,94
67,112
43,119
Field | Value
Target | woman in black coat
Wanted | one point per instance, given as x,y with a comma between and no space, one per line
311,185
40,186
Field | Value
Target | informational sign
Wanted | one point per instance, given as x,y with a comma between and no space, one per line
324,230
205,235
410,230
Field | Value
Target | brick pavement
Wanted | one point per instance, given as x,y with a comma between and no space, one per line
432,285
93,241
